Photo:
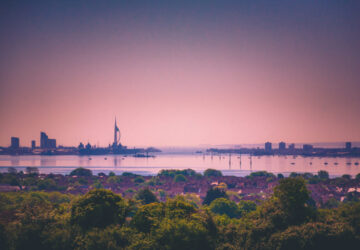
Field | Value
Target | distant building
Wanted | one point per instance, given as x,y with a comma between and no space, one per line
308,147
348,145
45,142
51,143
268,146
15,142
33,144
292,146
282,145
81,146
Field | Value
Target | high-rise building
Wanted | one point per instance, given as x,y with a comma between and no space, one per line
268,146
15,142
282,145
51,143
348,145
292,146
45,142
33,144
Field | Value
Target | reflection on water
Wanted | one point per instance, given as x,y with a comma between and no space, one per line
238,165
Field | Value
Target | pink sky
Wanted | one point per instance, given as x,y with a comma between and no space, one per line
187,86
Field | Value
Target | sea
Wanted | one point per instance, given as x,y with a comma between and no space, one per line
233,164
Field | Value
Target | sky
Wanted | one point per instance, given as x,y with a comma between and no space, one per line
180,73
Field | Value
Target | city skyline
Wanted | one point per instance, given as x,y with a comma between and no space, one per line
180,74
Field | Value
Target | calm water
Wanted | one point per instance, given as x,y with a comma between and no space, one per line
151,166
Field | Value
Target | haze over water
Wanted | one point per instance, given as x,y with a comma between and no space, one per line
198,162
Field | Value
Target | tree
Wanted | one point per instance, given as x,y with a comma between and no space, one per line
212,172
139,179
146,196
179,178
81,172
212,194
148,217
98,208
292,196
32,171
292,193
246,207
323,175
224,206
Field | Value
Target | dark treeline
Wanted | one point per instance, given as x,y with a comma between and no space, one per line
101,219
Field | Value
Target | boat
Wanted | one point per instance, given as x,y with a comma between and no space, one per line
336,163
143,155
325,163
356,163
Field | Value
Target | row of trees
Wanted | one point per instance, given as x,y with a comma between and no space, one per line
102,219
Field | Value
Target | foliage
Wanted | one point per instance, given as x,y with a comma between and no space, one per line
224,206
102,219
323,174
261,173
212,194
174,172
139,179
81,172
212,173
146,196
179,178
98,208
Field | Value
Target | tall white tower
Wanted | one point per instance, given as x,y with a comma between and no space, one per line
116,135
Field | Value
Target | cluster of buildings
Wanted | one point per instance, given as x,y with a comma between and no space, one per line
282,149
45,142
306,148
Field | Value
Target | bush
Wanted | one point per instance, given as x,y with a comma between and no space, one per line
179,178
139,179
212,172
174,172
224,206
357,177
346,176
81,172
98,208
323,175
129,174
146,196
47,184
261,173
212,194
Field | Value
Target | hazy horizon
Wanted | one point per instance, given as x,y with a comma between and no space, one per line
181,73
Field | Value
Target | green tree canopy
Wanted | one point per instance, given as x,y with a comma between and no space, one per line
212,172
224,206
212,194
146,196
98,208
81,172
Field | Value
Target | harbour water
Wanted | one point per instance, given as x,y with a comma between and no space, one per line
229,165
